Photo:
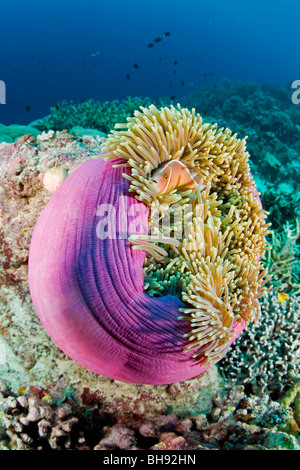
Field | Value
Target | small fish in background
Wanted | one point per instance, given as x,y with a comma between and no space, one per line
158,39
128,76
211,74
172,97
182,82
160,58
282,297
175,62
57,107
27,107
170,84
95,54
175,71
204,74
136,66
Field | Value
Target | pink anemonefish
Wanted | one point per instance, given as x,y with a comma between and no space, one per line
175,175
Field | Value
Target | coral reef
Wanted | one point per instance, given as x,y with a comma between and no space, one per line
268,355
91,114
281,200
292,398
258,404
266,110
14,131
51,418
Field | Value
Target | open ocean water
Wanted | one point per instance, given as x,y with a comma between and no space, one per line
77,50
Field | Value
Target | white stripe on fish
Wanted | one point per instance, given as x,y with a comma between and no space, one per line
175,175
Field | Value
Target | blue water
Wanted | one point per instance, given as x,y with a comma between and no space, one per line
78,50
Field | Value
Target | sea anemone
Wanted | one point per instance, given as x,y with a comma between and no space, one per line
162,302
221,277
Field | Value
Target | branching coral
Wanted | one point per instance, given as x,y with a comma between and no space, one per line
216,236
267,355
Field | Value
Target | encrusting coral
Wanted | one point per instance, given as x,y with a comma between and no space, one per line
218,252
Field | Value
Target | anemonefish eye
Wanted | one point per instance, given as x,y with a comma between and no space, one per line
166,177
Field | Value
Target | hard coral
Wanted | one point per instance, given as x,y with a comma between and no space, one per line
266,356
40,422
51,418
90,114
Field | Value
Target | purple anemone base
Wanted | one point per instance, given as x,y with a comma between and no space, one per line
88,290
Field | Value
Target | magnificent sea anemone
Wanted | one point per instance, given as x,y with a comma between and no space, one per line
145,264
